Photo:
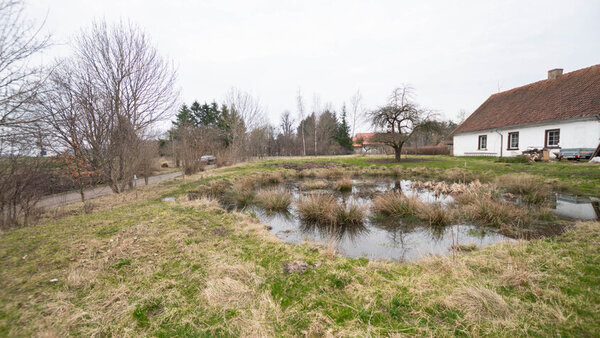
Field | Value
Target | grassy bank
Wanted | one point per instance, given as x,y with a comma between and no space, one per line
139,266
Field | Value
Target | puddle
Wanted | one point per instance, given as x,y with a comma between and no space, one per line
577,207
169,199
392,239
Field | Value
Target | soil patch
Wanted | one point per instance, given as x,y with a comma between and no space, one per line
403,160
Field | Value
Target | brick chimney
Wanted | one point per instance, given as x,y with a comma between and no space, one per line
554,73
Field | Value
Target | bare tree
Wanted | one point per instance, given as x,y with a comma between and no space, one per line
19,83
300,105
107,97
399,119
287,132
316,108
249,108
356,110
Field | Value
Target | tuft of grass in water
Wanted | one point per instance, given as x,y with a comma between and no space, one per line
435,214
496,213
344,185
353,214
318,208
532,189
274,200
313,185
396,204
241,193
275,177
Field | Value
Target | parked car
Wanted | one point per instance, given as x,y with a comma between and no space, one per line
208,159
575,153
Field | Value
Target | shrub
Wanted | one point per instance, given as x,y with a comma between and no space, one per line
274,200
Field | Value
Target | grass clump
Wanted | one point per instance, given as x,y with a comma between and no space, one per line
313,185
325,209
318,208
274,200
531,188
435,214
396,204
353,214
496,213
344,185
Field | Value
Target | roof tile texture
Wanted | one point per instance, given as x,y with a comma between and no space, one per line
574,94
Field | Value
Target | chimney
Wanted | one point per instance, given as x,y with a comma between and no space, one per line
554,73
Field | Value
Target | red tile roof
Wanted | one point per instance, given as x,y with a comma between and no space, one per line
574,94
365,137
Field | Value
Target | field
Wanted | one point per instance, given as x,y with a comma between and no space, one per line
137,265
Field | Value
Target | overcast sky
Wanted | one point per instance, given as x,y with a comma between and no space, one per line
454,55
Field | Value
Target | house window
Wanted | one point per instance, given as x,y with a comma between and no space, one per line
482,142
552,138
513,141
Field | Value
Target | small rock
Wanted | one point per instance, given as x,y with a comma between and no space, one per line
268,227
297,266
54,280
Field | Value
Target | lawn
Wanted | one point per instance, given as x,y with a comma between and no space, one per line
137,265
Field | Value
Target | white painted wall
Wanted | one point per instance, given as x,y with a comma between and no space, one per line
573,134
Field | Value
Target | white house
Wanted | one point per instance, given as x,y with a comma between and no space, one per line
560,112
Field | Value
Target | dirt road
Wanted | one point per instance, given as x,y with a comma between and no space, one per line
71,197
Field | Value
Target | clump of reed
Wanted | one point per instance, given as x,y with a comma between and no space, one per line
352,214
397,204
464,247
274,200
325,209
313,185
241,192
532,189
490,212
274,177
344,185
330,173
318,208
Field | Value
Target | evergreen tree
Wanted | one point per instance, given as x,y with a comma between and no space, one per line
184,117
343,132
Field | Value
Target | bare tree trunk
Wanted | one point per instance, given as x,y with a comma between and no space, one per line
397,153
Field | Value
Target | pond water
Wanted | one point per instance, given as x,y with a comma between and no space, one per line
577,207
392,239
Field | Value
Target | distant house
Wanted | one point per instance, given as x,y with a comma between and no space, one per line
362,144
562,111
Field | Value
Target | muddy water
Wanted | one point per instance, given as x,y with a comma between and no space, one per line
392,239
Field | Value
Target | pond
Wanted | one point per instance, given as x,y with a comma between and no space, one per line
391,238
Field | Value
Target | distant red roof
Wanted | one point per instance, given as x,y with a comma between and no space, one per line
365,137
572,95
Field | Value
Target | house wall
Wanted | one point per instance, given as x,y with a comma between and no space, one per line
573,134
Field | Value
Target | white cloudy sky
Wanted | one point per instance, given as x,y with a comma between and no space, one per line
454,53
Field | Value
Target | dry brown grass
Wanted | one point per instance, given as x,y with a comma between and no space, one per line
531,188
479,302
313,185
396,204
274,200
318,208
343,185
